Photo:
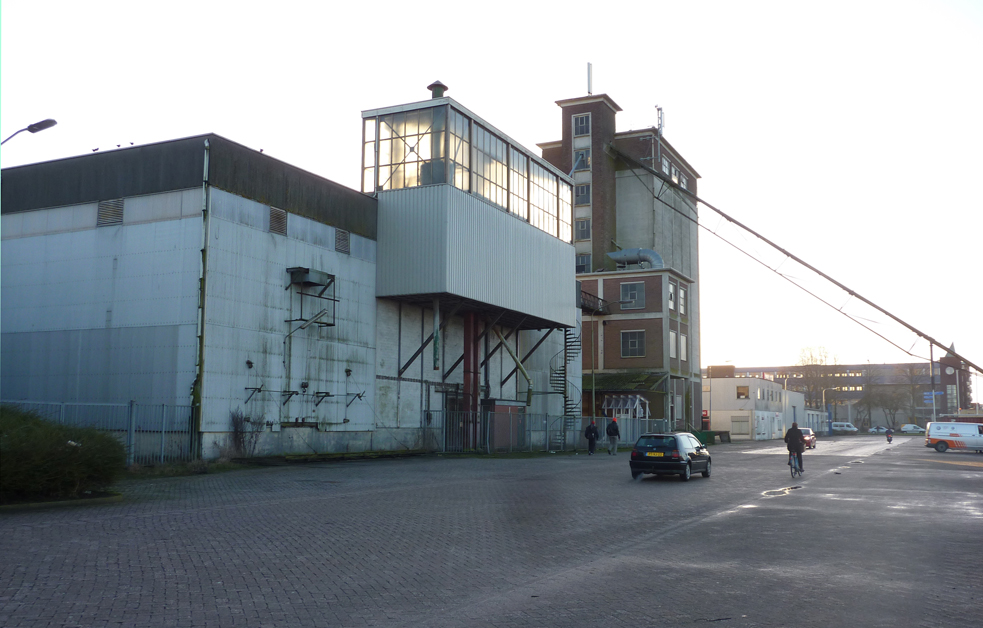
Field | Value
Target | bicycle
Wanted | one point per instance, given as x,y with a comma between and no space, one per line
793,464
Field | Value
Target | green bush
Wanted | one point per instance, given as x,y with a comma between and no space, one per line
40,459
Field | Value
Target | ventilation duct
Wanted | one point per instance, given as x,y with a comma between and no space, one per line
637,256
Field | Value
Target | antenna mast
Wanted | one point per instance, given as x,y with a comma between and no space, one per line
590,87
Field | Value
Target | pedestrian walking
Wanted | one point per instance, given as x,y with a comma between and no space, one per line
591,434
613,436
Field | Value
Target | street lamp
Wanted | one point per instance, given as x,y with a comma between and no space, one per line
35,128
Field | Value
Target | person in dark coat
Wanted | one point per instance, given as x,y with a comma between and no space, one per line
591,434
795,443
613,435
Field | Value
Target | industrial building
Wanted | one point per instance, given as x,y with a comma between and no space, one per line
222,285
637,247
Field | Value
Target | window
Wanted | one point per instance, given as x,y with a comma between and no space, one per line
583,264
682,301
633,344
582,229
581,159
682,180
672,344
581,194
488,159
634,293
665,165
675,174
581,125
742,392
672,296
682,347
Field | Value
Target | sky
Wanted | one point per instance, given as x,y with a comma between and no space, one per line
848,133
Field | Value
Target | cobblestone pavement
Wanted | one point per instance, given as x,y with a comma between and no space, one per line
886,536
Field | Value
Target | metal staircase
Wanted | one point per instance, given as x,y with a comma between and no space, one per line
558,373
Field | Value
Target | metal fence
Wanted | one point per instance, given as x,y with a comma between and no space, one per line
492,432
152,434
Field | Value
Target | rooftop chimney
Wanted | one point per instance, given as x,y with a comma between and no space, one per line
437,88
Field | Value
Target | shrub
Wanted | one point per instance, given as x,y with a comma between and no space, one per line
40,459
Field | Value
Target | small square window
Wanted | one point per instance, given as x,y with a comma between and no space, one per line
583,264
582,229
581,194
634,294
581,125
633,344
581,159
742,392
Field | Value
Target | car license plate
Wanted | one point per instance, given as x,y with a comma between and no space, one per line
653,454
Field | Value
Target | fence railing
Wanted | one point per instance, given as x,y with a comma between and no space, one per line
159,433
152,434
493,432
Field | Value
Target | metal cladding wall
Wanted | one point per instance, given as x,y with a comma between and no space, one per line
438,239
103,314
179,164
249,301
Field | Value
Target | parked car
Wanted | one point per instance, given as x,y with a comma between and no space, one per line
809,436
839,426
878,429
911,428
679,454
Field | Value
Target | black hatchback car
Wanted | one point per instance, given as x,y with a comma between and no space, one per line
672,454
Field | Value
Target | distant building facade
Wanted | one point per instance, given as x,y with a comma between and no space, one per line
873,394
751,408
636,243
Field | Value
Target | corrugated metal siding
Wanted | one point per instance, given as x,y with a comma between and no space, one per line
438,239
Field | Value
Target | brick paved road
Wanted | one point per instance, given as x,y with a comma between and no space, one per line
557,541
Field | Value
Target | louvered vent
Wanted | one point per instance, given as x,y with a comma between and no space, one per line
342,241
278,221
110,213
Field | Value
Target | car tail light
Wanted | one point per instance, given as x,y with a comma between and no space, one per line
634,453
675,454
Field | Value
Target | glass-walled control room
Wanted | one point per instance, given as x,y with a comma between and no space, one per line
436,143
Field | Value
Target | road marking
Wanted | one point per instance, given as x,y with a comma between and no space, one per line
965,464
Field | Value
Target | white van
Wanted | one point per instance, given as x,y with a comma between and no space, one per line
843,427
945,436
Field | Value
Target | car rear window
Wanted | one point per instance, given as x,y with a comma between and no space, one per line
657,442
807,431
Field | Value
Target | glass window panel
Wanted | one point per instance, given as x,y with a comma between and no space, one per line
370,130
368,180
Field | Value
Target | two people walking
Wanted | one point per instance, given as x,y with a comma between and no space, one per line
592,435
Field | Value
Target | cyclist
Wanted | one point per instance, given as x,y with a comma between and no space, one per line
795,443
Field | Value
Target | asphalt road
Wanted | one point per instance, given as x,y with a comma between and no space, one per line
873,535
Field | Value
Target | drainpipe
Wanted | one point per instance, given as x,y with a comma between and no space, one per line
196,389
518,365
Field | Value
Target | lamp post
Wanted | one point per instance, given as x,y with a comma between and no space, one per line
35,128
